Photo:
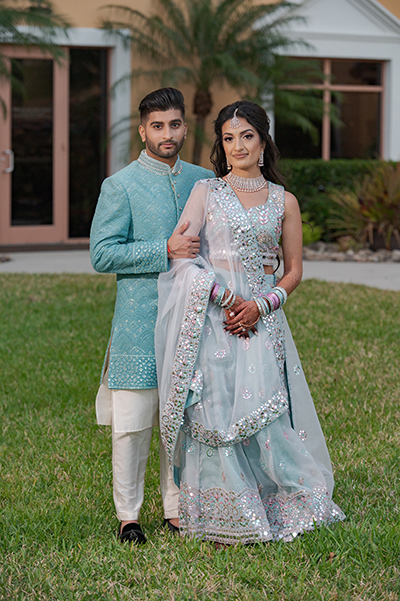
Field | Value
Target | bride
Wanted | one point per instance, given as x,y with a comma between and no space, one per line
236,416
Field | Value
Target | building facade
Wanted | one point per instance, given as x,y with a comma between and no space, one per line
58,140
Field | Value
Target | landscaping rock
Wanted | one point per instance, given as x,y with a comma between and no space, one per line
328,251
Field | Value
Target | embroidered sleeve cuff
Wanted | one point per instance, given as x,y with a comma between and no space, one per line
150,256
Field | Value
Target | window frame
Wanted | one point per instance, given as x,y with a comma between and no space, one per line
327,87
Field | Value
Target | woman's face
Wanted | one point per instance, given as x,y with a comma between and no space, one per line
242,146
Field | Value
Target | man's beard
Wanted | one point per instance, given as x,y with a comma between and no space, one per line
165,154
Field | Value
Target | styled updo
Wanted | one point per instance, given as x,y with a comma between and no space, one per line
258,118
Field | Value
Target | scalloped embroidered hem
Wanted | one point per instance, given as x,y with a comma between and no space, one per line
227,517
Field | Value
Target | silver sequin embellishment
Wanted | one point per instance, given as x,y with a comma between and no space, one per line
297,370
303,434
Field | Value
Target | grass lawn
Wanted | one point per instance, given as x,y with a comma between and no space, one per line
57,517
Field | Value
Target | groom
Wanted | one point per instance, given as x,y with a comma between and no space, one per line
132,236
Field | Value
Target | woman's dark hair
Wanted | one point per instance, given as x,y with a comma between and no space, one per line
258,118
163,99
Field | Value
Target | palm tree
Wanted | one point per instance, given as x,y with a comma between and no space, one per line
32,23
201,42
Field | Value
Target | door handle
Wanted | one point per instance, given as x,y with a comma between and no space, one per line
10,167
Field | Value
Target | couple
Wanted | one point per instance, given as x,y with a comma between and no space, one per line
237,421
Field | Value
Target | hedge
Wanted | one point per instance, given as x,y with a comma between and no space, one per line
311,180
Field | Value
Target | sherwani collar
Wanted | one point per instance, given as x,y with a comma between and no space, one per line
159,167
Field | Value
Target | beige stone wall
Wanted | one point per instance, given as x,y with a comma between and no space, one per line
87,13
392,5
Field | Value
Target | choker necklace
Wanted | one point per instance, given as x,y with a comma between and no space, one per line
246,184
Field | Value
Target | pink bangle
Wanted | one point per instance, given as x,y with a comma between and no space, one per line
274,298
214,292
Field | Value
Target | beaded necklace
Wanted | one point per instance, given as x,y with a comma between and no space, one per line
246,184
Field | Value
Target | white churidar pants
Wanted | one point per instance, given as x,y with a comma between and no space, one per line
132,415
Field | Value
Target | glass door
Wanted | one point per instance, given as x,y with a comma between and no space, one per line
34,151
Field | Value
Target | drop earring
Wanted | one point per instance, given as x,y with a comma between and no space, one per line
228,165
261,159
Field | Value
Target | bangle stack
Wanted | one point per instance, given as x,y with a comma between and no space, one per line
281,294
229,301
276,298
220,295
217,296
214,292
262,306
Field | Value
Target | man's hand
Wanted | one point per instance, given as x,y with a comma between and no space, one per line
181,246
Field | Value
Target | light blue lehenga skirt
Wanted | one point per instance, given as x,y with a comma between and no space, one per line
267,486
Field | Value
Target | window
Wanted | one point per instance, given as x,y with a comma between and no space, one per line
356,89
88,135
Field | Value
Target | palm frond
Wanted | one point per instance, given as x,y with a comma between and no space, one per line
155,38
206,41
32,24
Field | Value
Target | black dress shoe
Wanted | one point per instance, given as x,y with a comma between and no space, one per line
132,533
171,527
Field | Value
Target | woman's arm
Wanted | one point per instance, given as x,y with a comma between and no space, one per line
292,244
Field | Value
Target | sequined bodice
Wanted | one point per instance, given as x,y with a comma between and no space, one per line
267,223
266,220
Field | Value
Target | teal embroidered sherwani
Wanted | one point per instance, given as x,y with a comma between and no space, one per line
137,211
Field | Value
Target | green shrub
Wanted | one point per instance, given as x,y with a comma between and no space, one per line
312,181
311,232
371,212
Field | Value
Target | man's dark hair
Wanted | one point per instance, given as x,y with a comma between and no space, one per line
163,99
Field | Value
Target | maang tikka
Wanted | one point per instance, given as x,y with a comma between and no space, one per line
235,123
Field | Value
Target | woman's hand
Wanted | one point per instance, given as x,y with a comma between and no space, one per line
242,318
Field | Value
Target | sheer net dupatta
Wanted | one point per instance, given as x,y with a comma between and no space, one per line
183,294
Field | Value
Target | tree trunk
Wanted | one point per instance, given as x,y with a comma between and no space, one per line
202,105
198,139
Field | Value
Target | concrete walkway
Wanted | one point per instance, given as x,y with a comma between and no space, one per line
378,275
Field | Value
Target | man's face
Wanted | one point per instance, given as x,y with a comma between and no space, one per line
164,133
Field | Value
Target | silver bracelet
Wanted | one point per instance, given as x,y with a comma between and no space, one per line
227,300
231,303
